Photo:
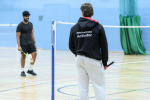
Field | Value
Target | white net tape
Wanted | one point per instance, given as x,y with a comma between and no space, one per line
107,25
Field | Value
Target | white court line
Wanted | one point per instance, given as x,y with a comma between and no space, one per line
26,81
134,62
115,63
17,69
12,91
147,78
115,78
11,71
58,83
64,63
47,87
22,97
119,78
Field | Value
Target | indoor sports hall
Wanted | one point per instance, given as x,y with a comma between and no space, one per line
127,28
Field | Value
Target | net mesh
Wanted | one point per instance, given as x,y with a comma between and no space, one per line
65,68
131,39
8,43
128,7
7,36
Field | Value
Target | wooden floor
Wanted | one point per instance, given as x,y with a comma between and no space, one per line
127,79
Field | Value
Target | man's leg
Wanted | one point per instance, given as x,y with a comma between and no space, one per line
23,57
34,54
32,51
83,79
97,75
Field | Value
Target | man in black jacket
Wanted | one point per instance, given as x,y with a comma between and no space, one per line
88,42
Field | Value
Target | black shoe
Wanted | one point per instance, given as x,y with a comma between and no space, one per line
23,74
31,72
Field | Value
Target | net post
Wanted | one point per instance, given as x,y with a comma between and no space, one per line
53,61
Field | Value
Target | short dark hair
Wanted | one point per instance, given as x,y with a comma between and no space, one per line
26,13
87,10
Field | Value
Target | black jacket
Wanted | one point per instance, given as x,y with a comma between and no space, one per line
88,38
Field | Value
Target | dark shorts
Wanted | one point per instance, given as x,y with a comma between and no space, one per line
28,48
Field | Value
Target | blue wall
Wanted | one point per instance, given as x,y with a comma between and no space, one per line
144,12
105,11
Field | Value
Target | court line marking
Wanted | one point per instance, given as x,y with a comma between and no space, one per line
58,82
115,62
27,89
121,92
22,87
35,81
130,91
128,59
39,81
16,69
136,69
134,62
107,79
110,78
133,69
22,97
59,90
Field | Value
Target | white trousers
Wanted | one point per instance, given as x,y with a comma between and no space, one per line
92,69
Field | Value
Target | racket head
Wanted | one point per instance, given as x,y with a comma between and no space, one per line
29,57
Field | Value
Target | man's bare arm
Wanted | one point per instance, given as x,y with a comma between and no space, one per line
18,34
33,38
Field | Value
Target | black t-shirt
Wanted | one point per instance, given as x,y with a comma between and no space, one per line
26,36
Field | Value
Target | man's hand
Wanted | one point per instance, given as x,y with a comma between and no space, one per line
35,46
19,49
105,67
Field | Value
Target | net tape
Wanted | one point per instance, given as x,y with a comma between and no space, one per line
111,26
107,25
8,24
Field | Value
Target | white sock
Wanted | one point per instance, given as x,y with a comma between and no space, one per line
22,69
31,67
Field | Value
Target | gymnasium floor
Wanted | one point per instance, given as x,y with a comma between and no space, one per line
127,79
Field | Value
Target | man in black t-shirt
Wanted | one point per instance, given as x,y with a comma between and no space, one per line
26,42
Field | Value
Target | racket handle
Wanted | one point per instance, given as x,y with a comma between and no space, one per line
110,64
23,53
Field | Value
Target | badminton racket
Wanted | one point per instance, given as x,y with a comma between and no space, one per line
110,63
29,57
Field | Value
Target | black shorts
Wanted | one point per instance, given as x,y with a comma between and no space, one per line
28,48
